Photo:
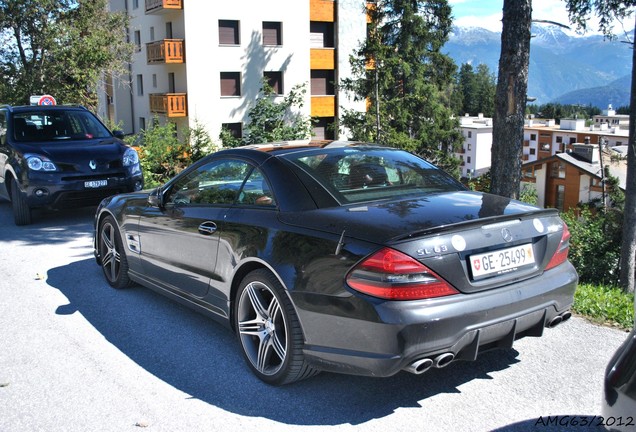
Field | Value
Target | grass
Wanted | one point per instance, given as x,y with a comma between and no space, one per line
605,305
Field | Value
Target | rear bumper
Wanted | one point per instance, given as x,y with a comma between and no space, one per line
386,336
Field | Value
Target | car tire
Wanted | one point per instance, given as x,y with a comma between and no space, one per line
112,254
269,331
21,209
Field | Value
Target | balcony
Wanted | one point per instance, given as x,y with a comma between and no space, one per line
169,104
323,58
160,6
323,106
165,51
322,10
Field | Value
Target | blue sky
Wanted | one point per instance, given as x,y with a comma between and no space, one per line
487,13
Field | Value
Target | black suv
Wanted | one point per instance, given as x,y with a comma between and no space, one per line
61,157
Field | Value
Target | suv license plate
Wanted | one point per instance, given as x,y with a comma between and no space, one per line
501,261
96,183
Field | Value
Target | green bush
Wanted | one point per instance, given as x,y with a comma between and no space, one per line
163,154
605,304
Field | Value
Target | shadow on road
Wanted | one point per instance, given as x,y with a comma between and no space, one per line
48,227
202,358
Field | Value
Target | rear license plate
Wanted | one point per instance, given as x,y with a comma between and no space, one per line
501,261
95,183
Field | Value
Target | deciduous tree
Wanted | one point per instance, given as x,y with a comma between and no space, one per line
59,47
608,12
510,99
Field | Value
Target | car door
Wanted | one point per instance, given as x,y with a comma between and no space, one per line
179,241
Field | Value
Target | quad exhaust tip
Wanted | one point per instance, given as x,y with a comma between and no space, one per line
559,319
422,365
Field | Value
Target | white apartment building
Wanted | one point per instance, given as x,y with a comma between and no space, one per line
204,61
476,150
542,139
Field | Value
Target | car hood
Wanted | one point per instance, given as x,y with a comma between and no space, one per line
77,150
381,222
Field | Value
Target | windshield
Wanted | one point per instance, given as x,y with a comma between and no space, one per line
358,174
33,126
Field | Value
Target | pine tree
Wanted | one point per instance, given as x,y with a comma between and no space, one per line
405,78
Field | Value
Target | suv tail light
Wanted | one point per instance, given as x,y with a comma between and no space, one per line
393,275
561,253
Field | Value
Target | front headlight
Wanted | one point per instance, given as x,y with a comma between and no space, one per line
39,163
130,157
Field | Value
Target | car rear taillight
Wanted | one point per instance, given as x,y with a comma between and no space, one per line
390,274
561,254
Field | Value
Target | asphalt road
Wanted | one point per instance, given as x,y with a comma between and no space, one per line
76,355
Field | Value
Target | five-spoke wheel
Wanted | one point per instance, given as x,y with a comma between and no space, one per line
113,258
269,331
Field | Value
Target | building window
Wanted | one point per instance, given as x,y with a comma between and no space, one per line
533,151
559,139
560,197
137,40
234,129
272,33
322,83
470,134
467,159
230,83
324,128
171,83
470,146
142,123
135,4
152,34
572,140
229,32
154,80
169,30
275,81
533,137
558,170
321,34
140,85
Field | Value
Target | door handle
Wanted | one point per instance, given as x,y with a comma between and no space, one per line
207,228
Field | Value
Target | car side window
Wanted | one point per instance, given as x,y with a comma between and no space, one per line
256,191
215,183
3,128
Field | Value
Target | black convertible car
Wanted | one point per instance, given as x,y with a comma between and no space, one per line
343,257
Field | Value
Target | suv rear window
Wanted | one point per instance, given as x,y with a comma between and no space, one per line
358,174
33,126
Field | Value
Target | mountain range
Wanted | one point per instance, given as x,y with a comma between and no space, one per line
586,70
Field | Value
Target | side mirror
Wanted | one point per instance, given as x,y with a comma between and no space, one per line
118,134
155,199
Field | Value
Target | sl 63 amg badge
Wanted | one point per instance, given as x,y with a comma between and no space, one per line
437,249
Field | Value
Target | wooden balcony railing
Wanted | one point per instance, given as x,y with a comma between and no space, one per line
162,5
322,10
169,104
322,58
323,106
165,51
